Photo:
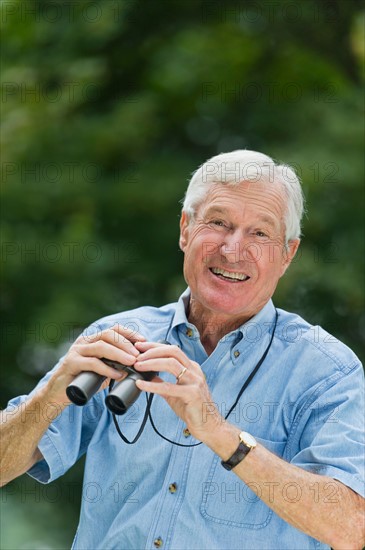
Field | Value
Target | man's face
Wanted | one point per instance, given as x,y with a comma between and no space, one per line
235,249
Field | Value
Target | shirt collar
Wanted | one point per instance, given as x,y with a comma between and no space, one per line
264,318
180,317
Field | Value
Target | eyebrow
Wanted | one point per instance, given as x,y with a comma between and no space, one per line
269,220
216,209
262,218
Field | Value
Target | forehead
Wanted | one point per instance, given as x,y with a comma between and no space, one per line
263,199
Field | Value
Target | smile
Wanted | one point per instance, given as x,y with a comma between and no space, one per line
229,275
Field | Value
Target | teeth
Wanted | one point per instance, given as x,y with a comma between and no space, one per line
229,274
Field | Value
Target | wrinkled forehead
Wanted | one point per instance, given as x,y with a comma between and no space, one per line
254,196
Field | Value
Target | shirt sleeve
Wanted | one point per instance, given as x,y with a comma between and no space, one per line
330,432
66,438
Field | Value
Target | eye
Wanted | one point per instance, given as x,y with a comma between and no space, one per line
218,223
261,234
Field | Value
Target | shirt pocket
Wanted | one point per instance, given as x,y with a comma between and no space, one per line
227,500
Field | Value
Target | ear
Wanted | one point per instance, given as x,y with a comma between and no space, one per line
184,231
289,254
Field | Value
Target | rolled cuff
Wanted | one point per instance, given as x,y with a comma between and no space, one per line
352,481
51,466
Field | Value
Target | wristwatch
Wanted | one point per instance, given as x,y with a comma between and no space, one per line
247,442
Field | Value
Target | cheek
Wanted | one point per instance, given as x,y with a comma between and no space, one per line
200,244
194,259
196,256
191,268
272,269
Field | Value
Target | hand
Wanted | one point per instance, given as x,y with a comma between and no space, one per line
189,397
115,343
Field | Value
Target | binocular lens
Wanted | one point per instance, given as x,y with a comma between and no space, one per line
115,405
76,395
83,387
122,396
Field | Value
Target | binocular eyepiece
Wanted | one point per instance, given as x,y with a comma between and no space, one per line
123,394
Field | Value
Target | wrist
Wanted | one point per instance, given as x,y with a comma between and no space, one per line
223,440
52,400
246,444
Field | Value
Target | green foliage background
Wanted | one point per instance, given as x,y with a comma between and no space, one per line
108,107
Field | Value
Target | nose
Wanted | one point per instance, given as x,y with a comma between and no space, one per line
231,248
238,247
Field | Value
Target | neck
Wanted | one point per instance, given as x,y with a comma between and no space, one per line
211,326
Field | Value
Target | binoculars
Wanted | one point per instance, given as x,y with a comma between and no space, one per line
123,394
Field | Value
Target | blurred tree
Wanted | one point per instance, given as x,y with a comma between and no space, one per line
107,109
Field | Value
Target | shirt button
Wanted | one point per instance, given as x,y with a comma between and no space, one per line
186,432
158,542
172,487
236,353
189,332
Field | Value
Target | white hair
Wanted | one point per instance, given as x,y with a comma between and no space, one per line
243,165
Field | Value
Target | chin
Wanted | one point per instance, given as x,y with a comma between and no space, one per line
225,305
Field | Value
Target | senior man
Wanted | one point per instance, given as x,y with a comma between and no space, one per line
254,435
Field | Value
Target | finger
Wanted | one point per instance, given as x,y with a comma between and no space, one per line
169,364
105,384
160,387
144,346
166,349
116,341
161,350
96,365
117,334
101,349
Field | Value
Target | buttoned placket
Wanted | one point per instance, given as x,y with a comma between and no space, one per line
174,484
172,493
190,342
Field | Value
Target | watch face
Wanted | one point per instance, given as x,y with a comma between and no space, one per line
248,439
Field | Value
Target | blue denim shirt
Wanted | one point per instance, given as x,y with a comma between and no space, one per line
305,404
